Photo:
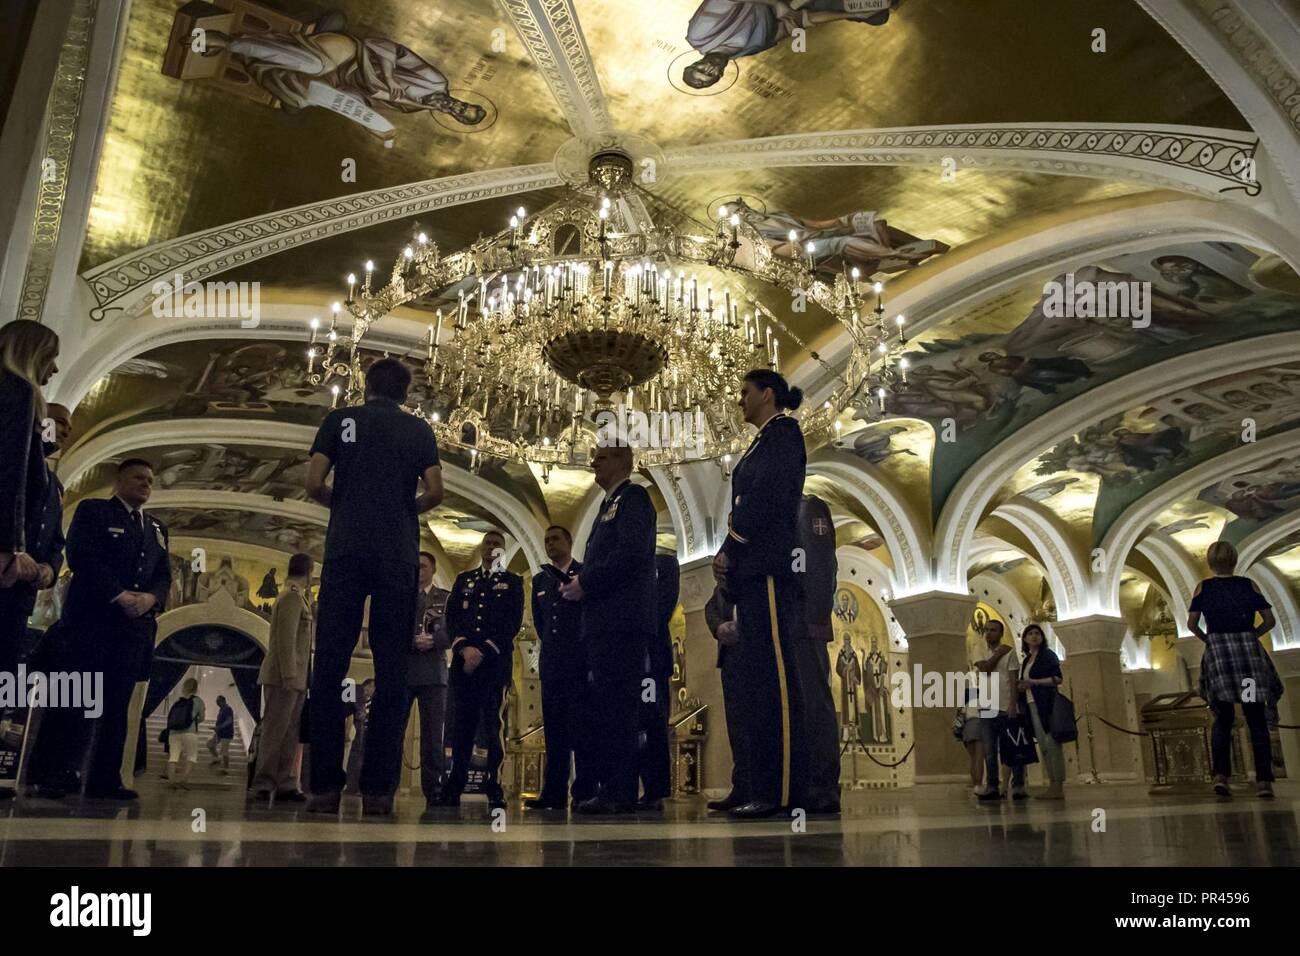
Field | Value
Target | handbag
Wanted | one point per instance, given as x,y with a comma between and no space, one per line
1016,747
1061,722
959,723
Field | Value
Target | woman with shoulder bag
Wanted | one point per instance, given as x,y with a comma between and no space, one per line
1040,674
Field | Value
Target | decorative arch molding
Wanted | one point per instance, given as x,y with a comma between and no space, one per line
219,610
1003,595
961,280
906,535
858,567
124,286
1252,548
976,488
1066,574
1240,46
1207,162
517,519
683,509
1277,590
1128,527
586,520
1178,573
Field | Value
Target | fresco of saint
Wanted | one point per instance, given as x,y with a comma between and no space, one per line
351,75
859,239
725,30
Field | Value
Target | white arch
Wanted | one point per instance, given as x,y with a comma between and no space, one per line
906,534
1252,547
1277,590
1124,532
1177,571
1061,563
868,568
220,609
957,282
516,517
976,488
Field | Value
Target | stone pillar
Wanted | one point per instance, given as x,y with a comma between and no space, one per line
935,624
1287,662
1094,680
1189,651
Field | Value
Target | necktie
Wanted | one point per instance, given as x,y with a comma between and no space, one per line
138,520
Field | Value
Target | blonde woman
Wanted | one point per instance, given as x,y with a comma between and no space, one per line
28,351
1234,668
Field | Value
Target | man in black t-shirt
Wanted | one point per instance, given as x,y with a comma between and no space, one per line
379,455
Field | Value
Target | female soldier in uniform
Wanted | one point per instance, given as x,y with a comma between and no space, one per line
756,569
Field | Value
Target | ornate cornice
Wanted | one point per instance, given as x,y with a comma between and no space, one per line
553,36
1255,55
124,284
1208,162
60,136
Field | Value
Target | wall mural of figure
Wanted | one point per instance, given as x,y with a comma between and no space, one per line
1198,283
849,669
322,63
876,724
725,30
862,240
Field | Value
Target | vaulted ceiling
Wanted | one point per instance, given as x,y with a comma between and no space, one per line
1012,142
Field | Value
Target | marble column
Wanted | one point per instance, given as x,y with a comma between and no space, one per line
1094,680
935,623
1287,662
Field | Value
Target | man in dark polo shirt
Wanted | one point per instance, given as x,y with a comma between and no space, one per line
379,455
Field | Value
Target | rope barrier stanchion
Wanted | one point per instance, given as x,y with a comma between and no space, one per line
896,763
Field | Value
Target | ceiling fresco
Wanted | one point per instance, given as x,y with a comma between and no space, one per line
1001,365
228,109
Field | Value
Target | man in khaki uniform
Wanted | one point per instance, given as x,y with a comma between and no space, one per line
283,679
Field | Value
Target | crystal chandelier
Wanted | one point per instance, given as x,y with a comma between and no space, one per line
584,316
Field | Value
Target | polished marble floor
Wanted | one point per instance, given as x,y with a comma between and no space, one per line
212,824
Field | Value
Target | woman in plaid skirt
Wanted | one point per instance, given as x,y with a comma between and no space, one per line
1235,668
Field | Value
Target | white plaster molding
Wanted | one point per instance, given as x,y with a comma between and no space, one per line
1056,555
1252,548
219,611
851,559
553,36
514,515
1178,573
1276,589
1128,527
977,486
906,534
1208,162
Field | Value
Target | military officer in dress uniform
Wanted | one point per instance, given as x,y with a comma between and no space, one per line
720,616
820,571
756,569
120,580
617,589
656,698
566,687
484,612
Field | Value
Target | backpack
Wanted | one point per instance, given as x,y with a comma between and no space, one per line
181,715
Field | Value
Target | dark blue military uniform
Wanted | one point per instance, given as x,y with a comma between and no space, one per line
566,688
718,610
110,550
656,753
818,580
762,536
618,624
484,611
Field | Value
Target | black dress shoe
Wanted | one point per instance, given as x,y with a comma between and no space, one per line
7,793
448,799
726,803
496,801
754,810
376,805
540,804
290,796
324,802
653,805
121,794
